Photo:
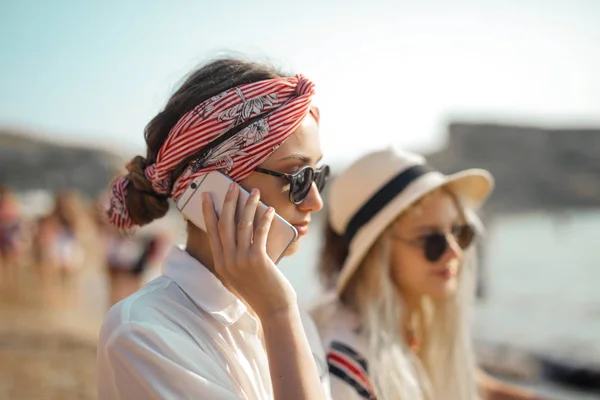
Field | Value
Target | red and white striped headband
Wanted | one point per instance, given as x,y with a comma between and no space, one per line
283,104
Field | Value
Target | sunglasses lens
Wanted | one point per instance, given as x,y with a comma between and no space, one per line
321,177
301,184
464,236
435,247
436,244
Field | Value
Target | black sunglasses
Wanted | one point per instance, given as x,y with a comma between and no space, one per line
301,181
435,244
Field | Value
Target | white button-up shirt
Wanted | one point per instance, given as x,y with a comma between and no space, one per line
185,336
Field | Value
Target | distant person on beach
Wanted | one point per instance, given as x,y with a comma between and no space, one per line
399,258
59,245
222,322
12,236
125,258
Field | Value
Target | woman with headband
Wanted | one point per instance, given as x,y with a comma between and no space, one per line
222,322
399,258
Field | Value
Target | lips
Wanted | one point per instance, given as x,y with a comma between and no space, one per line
445,273
302,228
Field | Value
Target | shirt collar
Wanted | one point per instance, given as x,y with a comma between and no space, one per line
203,287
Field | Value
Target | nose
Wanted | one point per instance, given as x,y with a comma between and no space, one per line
313,201
453,250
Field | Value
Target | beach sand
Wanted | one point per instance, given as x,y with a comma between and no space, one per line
48,337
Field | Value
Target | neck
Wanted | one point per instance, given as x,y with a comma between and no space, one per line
197,246
409,323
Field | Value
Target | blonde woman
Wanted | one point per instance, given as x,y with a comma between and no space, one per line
399,257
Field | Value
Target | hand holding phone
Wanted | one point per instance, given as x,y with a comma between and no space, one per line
240,255
281,235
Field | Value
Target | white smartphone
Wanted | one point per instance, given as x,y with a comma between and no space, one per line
281,235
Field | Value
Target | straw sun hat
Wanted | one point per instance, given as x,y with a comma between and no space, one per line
378,187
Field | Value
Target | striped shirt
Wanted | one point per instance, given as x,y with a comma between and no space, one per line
345,351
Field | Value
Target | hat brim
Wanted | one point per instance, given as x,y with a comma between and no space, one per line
471,186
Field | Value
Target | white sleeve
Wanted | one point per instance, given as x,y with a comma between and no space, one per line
318,352
139,362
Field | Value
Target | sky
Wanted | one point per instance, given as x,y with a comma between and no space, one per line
387,72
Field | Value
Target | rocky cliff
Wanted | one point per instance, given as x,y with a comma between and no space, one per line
27,162
535,168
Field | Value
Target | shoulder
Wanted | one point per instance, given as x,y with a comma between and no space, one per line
139,360
336,323
346,349
148,344
349,370
156,305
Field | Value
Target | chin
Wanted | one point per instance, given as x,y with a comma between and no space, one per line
293,248
443,290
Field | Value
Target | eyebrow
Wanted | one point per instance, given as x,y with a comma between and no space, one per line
303,158
434,228
426,228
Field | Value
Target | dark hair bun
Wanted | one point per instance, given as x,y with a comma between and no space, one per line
143,203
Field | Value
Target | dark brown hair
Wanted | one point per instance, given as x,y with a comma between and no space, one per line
143,203
333,255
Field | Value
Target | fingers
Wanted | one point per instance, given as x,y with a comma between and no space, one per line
227,224
246,223
230,242
262,230
212,228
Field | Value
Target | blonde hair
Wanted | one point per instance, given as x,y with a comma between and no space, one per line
446,368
